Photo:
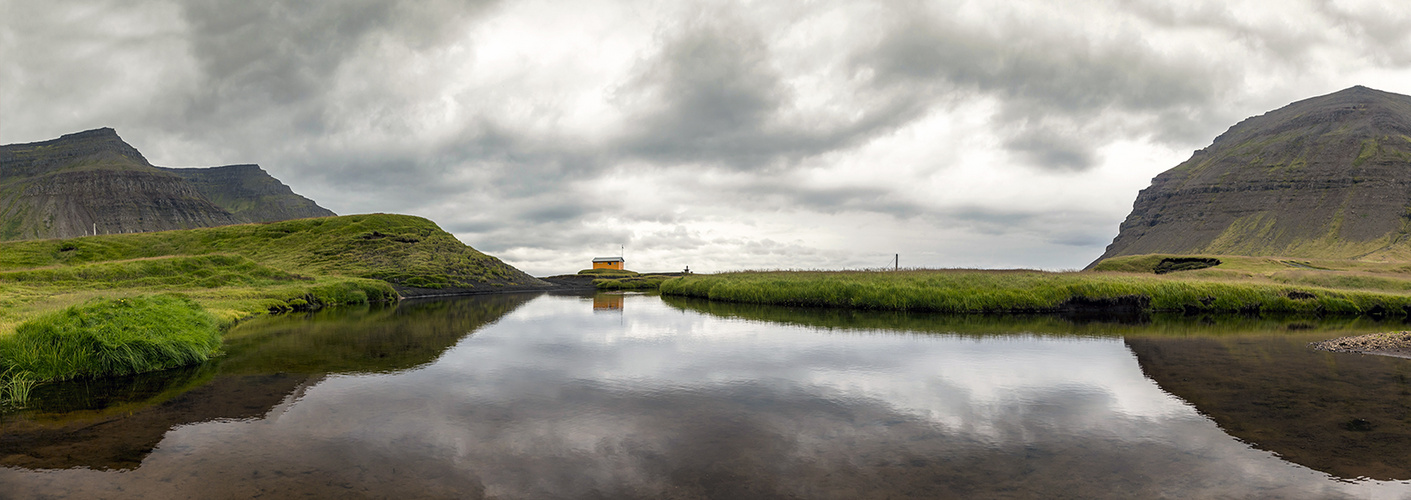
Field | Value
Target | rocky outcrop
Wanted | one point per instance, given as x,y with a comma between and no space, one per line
117,201
250,193
93,181
92,147
1327,177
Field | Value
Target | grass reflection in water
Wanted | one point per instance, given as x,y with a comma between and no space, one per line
113,423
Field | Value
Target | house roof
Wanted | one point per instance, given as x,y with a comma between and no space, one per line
608,259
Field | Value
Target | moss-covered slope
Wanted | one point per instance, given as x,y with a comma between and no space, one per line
1327,177
403,250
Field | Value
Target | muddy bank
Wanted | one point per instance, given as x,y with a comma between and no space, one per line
1396,344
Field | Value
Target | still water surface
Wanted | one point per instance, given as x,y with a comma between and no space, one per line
637,396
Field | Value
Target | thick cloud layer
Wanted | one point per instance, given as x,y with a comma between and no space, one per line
715,134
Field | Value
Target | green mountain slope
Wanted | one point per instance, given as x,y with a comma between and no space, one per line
403,250
1327,177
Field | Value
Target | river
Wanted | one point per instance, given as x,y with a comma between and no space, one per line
640,396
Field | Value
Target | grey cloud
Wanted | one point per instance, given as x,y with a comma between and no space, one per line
271,55
1067,228
1052,82
268,66
712,95
1288,43
709,88
836,200
1384,33
559,234
678,238
1054,149
74,66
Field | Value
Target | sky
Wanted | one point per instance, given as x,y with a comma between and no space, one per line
719,135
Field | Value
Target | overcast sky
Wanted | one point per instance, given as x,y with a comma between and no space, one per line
720,135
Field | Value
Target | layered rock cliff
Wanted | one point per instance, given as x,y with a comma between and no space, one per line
92,181
250,193
1326,177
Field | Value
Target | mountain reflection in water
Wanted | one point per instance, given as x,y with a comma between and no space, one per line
1345,414
683,399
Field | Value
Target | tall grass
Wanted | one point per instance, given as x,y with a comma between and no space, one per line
203,271
973,291
112,336
15,387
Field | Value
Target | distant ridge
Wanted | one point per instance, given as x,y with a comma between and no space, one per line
250,193
93,181
1326,177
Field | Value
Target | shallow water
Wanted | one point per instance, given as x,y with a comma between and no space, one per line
636,396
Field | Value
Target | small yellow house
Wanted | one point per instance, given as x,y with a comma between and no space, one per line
608,263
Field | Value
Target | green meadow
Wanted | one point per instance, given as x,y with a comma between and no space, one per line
128,303
1237,284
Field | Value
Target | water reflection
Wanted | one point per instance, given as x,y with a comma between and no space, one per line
115,423
666,401
608,302
1158,325
1345,414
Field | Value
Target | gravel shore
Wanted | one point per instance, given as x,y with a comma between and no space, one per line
1396,344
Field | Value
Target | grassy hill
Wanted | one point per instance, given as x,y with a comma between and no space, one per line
231,272
402,250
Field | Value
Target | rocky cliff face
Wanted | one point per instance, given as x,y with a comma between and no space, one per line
1327,177
250,193
93,181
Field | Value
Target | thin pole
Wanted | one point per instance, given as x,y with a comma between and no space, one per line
896,264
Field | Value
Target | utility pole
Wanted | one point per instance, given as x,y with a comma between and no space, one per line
896,264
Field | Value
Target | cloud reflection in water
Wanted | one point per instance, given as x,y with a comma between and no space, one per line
554,401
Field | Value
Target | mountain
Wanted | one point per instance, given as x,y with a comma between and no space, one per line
1326,177
92,181
250,193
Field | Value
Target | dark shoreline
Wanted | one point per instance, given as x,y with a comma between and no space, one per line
559,283
565,283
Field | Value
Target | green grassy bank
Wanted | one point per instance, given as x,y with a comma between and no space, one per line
112,336
225,273
977,291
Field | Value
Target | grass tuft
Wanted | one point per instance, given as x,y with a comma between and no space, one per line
111,336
